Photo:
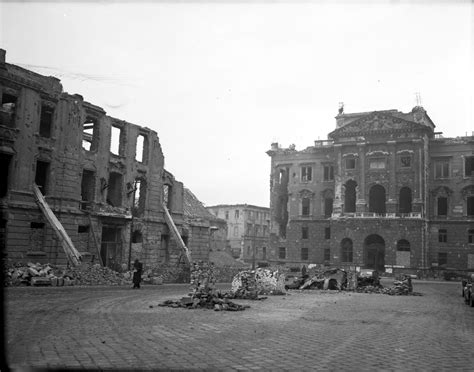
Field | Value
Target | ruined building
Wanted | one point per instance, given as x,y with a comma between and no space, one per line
385,191
248,230
103,178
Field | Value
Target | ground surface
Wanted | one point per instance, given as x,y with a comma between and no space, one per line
115,327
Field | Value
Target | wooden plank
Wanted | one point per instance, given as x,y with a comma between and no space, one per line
175,233
96,241
71,252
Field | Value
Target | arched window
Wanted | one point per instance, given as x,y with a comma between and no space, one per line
350,196
377,199
441,200
403,245
346,250
404,205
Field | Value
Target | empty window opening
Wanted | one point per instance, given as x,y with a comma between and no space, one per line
405,161
350,196
405,205
470,236
442,235
442,258
142,149
139,197
328,173
442,206
41,177
7,110
470,205
469,166
377,163
304,232
306,174
137,237
327,233
377,199
114,189
82,229
282,253
115,140
90,134
46,121
37,225
441,169
305,206
304,254
328,207
237,214
350,163
327,254
167,189
226,215
5,172
264,253
403,245
87,187
346,250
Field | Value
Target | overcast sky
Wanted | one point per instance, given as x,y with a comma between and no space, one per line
220,82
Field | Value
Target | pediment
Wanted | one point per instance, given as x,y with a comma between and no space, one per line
376,122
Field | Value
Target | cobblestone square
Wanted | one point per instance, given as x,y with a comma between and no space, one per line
121,328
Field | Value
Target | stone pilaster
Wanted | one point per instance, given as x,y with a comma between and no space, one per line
361,203
391,204
337,206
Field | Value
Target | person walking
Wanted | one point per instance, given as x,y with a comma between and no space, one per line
137,273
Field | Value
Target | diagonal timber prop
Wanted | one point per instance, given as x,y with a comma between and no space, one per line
72,254
176,235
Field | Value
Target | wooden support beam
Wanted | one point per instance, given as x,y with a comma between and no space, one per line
176,234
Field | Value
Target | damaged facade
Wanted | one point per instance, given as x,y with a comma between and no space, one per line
385,191
103,178
248,230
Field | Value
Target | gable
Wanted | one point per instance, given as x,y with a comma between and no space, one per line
377,123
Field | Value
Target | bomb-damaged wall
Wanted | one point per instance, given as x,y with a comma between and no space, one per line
97,173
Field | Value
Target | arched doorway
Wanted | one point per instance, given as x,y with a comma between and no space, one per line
377,199
374,252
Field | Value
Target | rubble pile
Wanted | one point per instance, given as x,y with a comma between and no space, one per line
249,284
203,293
50,275
400,288
332,279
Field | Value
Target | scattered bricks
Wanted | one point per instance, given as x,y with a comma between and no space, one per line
40,281
249,284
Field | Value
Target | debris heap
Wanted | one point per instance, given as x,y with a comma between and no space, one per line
332,279
51,275
203,293
249,284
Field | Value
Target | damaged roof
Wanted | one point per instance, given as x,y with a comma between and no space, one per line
194,209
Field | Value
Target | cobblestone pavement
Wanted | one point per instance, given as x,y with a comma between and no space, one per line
115,328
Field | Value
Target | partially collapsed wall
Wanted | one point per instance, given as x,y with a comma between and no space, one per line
103,178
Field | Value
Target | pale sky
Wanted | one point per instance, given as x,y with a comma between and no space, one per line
220,82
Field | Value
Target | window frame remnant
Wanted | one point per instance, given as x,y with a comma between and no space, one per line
304,232
305,206
8,110
441,168
306,173
116,140
42,175
282,253
327,254
347,250
115,189
87,187
442,235
304,253
139,197
46,120
90,133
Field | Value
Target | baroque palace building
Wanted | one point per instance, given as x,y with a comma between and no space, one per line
385,191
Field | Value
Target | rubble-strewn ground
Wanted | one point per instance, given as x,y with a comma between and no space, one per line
115,327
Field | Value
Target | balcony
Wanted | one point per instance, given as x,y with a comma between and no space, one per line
412,215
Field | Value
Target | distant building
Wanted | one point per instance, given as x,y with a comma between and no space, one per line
385,191
102,177
248,228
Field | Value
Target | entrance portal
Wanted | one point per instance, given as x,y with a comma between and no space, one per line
111,247
374,255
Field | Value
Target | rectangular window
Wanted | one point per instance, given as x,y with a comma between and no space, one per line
327,254
470,236
328,173
442,258
139,197
470,206
249,229
377,163
304,232
305,207
469,166
304,254
442,206
90,134
350,163
41,176
226,215
46,121
87,187
282,253
114,189
264,230
441,169
442,235
306,174
5,172
236,230
7,110
141,153
236,215
405,161
327,233
115,140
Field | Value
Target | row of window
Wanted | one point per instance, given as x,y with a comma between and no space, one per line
442,206
442,167
305,232
250,214
443,236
